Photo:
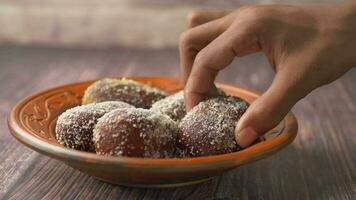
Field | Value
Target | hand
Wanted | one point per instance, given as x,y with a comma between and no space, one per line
307,46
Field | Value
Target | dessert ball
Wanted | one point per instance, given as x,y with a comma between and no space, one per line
174,105
135,132
208,129
129,91
75,126
181,153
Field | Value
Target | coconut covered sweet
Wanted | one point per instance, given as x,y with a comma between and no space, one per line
129,91
74,128
208,129
174,105
135,132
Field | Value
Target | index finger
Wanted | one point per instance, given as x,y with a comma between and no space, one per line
236,41
209,61
195,39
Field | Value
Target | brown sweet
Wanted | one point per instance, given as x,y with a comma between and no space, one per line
174,105
28,124
135,132
181,153
74,128
208,129
129,91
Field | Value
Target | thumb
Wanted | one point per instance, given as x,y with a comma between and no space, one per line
268,110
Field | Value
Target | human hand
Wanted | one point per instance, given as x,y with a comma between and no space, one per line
307,46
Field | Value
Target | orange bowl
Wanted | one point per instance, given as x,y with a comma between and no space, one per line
32,122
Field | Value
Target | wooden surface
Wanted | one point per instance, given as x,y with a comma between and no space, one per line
319,164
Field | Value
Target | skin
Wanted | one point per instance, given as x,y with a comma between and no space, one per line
307,46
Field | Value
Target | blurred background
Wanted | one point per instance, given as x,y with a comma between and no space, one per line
105,23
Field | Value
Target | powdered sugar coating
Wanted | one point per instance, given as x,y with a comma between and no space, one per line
135,132
129,91
181,153
208,129
173,106
75,126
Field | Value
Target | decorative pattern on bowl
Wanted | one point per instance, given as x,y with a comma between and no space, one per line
32,121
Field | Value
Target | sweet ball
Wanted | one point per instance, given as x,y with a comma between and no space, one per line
135,132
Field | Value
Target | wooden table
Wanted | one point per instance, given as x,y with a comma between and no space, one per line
319,164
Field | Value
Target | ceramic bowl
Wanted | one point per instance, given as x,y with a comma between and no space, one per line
32,122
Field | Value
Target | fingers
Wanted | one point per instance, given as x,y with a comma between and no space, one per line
204,26
195,39
198,17
268,110
210,47
208,62
213,58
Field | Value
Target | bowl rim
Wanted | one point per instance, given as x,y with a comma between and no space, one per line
250,154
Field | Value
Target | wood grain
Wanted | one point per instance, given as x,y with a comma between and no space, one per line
320,164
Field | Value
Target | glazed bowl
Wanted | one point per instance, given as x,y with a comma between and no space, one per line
32,121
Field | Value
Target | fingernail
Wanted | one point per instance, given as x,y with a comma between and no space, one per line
246,136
